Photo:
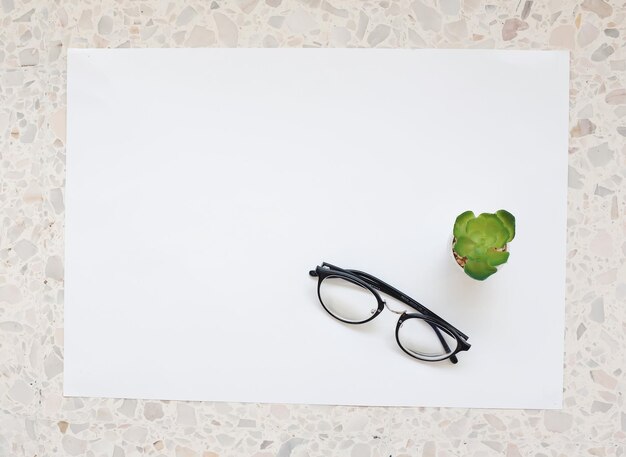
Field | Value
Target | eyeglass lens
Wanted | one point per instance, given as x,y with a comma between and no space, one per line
419,338
346,300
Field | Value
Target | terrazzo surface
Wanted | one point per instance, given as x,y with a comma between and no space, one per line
35,419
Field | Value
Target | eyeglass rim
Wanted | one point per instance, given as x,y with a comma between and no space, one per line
354,280
460,344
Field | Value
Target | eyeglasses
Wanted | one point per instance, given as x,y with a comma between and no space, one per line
352,296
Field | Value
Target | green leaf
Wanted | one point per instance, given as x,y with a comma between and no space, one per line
461,223
495,257
487,231
508,220
479,270
464,246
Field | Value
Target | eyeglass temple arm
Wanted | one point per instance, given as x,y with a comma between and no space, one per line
395,293
386,288
443,342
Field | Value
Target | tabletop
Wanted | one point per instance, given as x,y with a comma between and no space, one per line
35,418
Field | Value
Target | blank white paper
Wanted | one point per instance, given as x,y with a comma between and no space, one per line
204,184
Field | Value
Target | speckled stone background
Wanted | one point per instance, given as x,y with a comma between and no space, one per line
35,419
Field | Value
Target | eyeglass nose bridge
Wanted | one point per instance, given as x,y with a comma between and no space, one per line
395,311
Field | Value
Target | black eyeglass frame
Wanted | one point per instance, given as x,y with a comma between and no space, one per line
375,285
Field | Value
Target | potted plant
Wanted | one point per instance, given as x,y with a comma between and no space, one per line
480,243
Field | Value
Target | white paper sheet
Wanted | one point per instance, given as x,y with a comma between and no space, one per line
203,185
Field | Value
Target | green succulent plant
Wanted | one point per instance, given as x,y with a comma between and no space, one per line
480,243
